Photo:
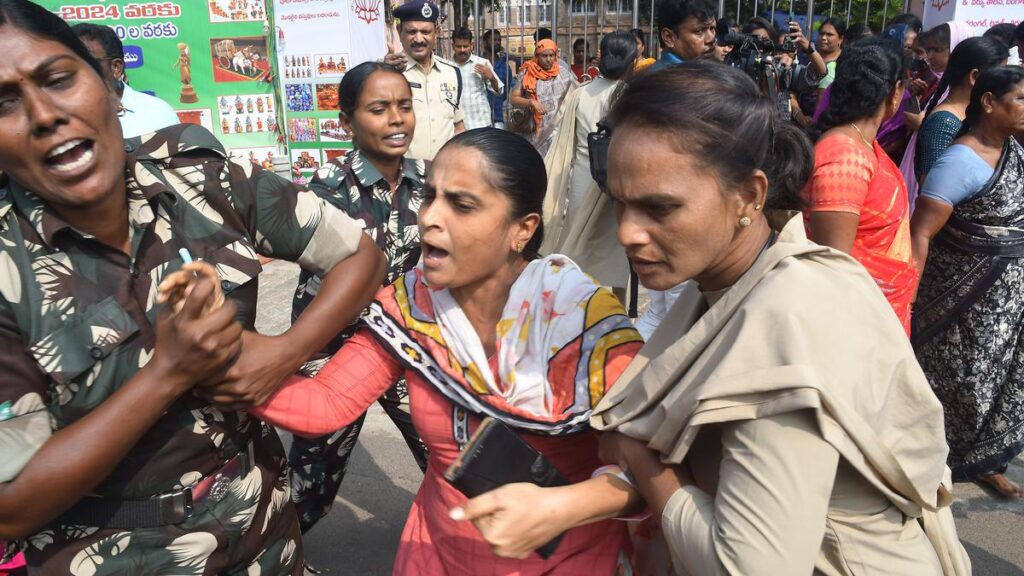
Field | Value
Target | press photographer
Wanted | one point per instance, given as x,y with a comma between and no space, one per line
770,58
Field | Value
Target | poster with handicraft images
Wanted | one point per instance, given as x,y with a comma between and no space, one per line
208,59
318,41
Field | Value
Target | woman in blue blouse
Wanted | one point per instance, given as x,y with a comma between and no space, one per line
968,331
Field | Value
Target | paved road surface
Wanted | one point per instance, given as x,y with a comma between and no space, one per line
360,535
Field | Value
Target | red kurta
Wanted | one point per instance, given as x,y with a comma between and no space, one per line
431,543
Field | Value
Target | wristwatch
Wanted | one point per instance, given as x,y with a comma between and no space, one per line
811,49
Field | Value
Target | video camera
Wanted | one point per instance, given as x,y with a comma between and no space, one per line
755,56
751,42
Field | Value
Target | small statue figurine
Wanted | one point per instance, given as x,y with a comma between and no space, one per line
184,66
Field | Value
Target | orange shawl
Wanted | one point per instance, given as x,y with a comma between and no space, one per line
533,73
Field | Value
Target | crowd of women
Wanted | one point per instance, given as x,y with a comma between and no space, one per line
833,353
900,105
929,203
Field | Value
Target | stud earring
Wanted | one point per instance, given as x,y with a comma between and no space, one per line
744,222
519,247
757,206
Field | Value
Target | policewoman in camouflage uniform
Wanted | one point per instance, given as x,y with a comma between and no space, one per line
113,457
378,186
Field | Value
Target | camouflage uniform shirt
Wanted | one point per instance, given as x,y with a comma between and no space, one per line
356,187
77,320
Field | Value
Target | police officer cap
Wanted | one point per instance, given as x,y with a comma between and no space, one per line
418,11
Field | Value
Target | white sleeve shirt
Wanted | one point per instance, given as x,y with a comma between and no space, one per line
144,113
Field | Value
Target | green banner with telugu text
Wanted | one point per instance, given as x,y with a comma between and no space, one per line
208,59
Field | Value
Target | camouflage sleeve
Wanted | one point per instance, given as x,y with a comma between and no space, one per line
24,420
290,222
329,183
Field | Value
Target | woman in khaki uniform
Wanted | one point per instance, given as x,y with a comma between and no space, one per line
777,421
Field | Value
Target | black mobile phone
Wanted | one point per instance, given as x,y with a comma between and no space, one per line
913,106
496,455
919,69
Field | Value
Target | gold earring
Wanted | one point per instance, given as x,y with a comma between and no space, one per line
519,247
744,222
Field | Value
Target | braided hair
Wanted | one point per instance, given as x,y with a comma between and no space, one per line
866,74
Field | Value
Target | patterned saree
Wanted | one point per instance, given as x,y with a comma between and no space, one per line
969,322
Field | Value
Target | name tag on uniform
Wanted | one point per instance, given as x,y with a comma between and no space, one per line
415,85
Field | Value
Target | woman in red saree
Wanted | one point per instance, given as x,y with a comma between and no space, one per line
857,199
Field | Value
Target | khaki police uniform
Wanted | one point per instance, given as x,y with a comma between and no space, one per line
435,97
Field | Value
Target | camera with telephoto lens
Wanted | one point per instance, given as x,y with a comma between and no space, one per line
755,57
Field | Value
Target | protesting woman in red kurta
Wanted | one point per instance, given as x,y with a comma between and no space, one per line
484,328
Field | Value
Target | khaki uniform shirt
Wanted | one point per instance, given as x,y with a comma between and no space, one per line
435,100
807,459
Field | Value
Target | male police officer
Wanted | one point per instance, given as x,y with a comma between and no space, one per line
436,83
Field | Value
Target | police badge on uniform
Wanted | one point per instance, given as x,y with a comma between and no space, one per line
449,94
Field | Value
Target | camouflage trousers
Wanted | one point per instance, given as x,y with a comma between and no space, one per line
319,464
252,530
